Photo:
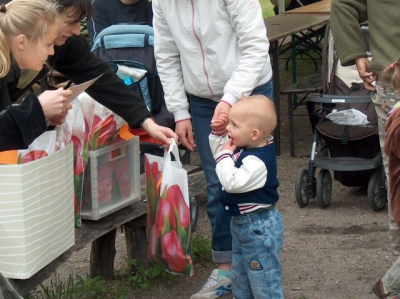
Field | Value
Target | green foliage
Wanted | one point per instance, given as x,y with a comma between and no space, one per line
144,279
89,288
57,290
267,8
201,249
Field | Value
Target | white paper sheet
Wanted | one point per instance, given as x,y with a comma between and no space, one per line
78,89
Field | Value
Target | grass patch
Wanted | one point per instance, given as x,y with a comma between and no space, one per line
124,283
267,8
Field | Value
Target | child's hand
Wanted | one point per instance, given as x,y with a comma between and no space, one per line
229,145
218,125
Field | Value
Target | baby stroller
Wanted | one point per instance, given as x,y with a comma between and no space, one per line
129,51
352,152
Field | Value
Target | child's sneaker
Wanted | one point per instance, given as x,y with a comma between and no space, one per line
215,287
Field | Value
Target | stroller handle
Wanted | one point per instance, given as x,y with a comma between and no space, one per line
335,99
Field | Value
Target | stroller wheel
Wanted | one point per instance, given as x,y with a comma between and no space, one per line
194,211
300,187
324,188
375,198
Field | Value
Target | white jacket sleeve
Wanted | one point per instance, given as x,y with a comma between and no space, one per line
168,64
216,143
248,23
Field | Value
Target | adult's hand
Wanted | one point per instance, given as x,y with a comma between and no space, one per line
159,132
365,73
185,133
220,119
54,102
57,120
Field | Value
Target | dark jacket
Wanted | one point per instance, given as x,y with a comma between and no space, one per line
113,12
21,125
382,16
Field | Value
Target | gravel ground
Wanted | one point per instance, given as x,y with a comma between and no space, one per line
332,253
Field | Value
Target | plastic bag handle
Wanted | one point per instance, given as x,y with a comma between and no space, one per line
173,148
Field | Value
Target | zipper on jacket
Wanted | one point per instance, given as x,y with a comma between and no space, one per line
202,51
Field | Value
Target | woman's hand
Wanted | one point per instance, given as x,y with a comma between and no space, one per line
184,131
54,103
159,132
57,120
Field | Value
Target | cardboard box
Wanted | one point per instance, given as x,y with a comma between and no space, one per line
36,213
111,179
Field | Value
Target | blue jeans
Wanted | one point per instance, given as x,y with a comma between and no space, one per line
202,111
256,268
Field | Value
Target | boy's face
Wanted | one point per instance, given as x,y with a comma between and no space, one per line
68,25
240,128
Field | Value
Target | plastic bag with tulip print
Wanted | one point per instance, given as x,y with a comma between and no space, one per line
168,212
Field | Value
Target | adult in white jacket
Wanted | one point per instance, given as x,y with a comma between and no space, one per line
209,54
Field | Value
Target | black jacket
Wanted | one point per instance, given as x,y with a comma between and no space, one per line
21,125
113,12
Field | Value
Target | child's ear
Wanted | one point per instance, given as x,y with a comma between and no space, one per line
255,134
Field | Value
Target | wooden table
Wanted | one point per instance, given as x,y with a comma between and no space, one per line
299,27
320,7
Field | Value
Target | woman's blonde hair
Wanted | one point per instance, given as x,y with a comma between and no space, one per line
28,17
395,67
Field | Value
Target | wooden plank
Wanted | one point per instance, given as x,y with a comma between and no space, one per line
283,25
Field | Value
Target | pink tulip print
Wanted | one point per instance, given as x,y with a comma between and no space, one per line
105,182
154,242
175,198
80,162
168,219
123,177
102,131
172,252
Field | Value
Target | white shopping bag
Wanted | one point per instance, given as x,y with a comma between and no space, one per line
36,213
168,217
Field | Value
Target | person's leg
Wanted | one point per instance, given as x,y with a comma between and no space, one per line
390,283
378,98
202,111
391,279
261,239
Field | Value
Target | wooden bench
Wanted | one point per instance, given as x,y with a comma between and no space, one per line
102,234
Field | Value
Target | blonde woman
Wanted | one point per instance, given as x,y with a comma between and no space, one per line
28,29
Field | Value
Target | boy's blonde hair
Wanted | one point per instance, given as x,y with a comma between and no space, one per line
395,67
260,110
28,17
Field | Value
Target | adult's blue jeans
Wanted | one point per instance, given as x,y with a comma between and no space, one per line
202,111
